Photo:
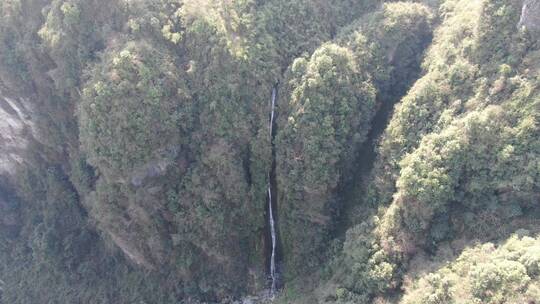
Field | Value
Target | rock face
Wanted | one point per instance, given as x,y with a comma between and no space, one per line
16,131
9,216
530,15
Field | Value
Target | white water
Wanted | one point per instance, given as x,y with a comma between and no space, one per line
271,212
273,257
273,105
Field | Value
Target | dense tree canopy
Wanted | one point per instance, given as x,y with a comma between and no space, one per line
403,160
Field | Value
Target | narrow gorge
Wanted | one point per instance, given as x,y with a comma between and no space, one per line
269,151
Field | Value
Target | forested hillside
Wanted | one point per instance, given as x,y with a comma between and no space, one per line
254,151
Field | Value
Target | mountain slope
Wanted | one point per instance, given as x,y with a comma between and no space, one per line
135,159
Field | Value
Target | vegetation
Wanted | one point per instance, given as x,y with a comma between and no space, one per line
405,155
484,274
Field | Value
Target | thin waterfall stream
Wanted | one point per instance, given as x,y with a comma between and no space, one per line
271,218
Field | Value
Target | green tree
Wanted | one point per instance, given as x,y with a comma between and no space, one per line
324,123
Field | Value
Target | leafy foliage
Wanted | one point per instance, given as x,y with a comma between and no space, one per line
483,274
464,160
332,104
135,105
145,178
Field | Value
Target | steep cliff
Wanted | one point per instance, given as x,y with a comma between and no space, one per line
136,164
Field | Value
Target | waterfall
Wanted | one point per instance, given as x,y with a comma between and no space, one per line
271,219
272,107
273,234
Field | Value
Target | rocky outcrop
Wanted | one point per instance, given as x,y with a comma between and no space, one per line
17,130
128,248
530,15
9,217
134,225
155,168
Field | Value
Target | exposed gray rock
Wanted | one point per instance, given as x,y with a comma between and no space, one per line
530,15
130,250
16,131
9,217
263,297
155,168
151,170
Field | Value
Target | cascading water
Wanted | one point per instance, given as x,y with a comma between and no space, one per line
273,237
271,218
